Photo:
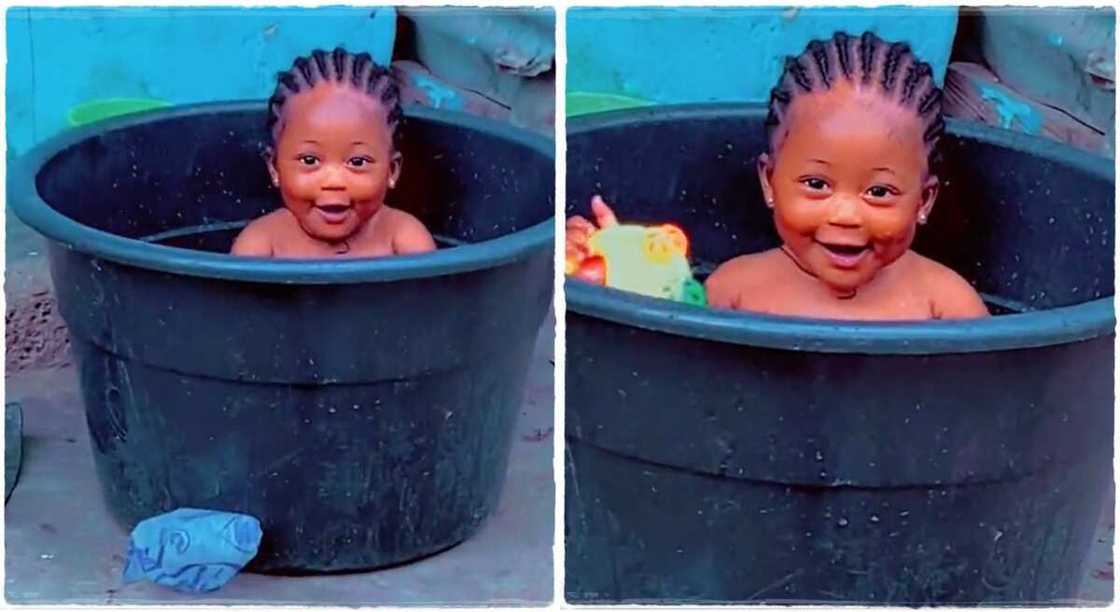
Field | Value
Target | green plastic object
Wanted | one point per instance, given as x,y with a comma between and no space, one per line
586,103
692,292
652,261
96,110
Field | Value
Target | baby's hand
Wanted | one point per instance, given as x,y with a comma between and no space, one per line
578,231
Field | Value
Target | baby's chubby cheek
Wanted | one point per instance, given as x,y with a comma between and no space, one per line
296,192
798,223
891,241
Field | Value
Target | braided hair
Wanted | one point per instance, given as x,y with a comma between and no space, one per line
339,66
891,69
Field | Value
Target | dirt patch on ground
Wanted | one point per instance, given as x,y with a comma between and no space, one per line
36,336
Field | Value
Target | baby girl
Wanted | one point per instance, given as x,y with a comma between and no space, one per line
333,120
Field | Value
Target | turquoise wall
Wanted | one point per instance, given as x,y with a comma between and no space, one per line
718,54
60,58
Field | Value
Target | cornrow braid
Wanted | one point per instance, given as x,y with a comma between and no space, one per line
800,76
843,53
817,49
914,74
868,62
339,66
867,46
891,63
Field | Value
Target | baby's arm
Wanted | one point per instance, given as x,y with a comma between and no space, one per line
253,241
410,236
954,298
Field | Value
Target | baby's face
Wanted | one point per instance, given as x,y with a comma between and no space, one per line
848,182
334,160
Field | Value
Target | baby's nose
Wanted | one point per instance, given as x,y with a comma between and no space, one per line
333,177
845,212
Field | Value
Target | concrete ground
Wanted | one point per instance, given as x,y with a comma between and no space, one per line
62,547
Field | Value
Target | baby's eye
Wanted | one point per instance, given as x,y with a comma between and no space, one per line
359,162
815,184
879,191
308,160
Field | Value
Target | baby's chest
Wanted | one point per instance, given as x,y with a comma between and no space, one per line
793,299
896,304
378,248
372,244
305,247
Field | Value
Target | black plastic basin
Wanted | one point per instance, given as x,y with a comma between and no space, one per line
725,456
361,409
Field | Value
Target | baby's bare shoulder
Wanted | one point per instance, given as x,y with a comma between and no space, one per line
937,274
951,295
407,233
395,217
756,266
259,236
741,274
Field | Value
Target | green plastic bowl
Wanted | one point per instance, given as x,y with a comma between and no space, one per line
96,110
586,103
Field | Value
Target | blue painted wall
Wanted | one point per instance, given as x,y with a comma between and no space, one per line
717,54
60,58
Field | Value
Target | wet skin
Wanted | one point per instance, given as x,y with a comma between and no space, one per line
334,164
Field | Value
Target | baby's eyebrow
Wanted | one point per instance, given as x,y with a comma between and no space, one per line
361,142
884,169
820,161
311,142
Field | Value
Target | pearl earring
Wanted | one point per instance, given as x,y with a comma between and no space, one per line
922,219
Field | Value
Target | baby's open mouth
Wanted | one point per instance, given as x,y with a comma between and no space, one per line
845,256
846,250
334,214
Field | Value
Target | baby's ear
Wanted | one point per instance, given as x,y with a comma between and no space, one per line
765,168
269,157
395,162
930,190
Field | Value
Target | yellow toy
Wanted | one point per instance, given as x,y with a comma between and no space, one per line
652,261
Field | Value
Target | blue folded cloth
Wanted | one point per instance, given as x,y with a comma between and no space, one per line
192,550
